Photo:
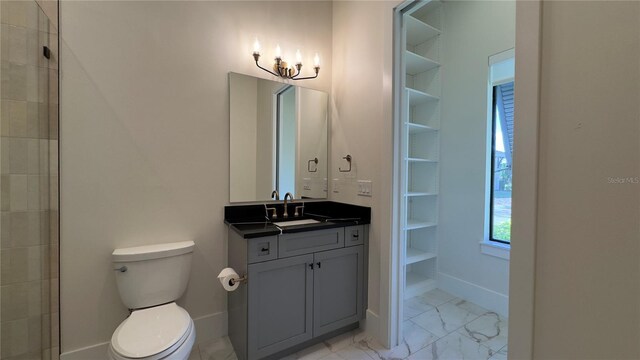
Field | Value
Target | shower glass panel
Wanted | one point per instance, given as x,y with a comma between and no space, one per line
29,311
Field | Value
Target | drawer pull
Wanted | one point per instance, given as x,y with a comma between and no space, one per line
265,249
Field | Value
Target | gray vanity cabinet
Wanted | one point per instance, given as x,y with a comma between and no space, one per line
337,288
280,304
300,287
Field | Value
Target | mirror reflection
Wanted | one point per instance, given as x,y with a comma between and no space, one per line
278,140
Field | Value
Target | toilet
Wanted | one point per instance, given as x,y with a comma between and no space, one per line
150,279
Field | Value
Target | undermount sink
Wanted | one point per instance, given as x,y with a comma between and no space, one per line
295,222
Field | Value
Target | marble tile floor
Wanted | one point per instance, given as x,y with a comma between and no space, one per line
437,325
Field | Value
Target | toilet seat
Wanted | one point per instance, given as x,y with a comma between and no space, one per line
153,333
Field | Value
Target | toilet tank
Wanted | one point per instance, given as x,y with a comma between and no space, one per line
153,274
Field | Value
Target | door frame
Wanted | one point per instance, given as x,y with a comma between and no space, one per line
525,174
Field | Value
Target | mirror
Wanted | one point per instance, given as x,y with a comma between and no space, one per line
278,140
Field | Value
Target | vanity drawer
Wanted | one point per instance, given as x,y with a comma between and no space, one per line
354,235
262,249
310,241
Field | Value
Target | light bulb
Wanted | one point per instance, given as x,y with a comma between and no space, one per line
316,60
298,57
278,51
256,47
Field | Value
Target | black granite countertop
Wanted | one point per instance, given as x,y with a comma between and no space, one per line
250,221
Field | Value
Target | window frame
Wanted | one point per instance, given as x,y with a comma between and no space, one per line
496,75
494,119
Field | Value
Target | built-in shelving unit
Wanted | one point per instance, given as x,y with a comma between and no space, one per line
417,255
418,193
414,128
417,64
417,97
420,139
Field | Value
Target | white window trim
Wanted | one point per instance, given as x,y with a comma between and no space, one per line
502,56
488,247
496,249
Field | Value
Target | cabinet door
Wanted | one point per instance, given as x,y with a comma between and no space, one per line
337,288
280,304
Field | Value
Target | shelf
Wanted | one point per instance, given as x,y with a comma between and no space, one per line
418,32
414,255
417,64
419,193
417,97
413,159
415,128
417,284
418,224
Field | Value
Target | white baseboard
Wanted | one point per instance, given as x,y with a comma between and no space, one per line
93,352
371,324
211,326
479,295
208,327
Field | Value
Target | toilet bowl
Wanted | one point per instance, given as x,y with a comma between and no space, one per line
150,279
160,332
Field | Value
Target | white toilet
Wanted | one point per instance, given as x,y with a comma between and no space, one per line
150,278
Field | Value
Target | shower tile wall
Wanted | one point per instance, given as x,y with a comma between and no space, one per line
29,312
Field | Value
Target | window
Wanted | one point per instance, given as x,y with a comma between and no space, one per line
501,117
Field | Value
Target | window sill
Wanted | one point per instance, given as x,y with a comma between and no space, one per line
495,249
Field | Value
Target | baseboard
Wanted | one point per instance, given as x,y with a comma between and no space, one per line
93,352
371,324
211,326
479,295
208,327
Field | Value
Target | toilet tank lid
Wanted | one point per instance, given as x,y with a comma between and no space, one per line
149,252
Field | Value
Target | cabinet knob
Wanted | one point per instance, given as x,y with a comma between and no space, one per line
319,265
311,266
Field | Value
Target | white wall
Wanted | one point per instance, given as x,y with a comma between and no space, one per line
472,31
145,138
587,291
362,126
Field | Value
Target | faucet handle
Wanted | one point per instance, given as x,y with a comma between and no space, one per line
274,215
296,213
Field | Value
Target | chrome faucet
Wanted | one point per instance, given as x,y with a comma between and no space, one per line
275,195
286,214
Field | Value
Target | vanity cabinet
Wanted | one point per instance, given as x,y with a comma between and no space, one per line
315,287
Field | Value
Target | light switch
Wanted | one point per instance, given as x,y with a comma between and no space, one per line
306,184
364,188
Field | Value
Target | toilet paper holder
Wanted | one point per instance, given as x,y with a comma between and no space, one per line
242,280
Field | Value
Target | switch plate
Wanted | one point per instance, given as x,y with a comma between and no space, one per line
306,184
336,186
364,187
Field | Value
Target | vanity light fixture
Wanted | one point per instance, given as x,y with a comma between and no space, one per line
281,68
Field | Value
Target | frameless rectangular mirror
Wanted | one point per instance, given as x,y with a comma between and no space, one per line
278,137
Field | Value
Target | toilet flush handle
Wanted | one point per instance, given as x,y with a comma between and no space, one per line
121,269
